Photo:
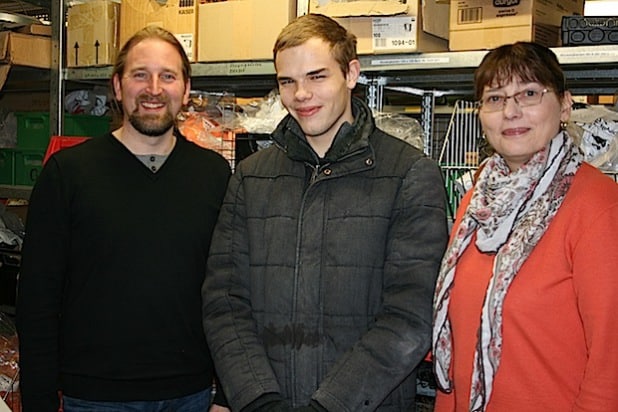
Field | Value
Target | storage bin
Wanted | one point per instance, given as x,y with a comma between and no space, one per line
27,166
86,125
33,128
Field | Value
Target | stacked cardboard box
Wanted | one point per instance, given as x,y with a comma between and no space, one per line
241,30
483,24
21,49
92,33
25,50
391,26
177,16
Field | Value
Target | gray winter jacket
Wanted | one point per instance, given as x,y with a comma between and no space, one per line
321,273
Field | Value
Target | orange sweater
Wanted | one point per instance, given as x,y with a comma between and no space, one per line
560,318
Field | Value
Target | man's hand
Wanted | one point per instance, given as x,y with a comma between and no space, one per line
217,408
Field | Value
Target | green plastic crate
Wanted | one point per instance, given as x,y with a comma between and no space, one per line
86,125
33,128
28,166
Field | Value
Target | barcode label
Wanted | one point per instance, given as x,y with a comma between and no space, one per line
470,15
379,43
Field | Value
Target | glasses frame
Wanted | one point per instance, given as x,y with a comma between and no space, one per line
514,96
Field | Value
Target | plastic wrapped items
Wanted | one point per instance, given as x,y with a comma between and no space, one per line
9,364
262,116
209,120
595,129
401,126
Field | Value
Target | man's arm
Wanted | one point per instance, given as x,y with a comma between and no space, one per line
240,358
40,288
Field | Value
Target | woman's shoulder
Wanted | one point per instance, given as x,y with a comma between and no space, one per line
592,185
591,199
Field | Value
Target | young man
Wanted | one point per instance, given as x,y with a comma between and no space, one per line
320,279
117,238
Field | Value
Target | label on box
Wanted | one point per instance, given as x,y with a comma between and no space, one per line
470,15
394,33
186,39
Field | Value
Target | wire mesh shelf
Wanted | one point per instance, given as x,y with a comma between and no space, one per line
459,155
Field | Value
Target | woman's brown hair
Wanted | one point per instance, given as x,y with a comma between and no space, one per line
527,61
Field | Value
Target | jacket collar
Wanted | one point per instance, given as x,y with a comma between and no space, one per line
350,138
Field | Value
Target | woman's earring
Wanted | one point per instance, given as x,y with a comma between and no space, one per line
564,125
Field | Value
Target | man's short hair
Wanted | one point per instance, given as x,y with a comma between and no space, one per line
342,43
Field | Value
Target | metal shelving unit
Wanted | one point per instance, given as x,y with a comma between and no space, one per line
421,77
590,70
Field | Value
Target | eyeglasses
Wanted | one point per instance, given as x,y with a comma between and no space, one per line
524,98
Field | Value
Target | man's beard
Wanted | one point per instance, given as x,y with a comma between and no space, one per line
151,125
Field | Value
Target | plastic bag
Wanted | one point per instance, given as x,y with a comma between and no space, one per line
263,116
93,102
8,129
209,120
595,129
404,127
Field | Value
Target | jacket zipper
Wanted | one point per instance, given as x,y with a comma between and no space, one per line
314,176
315,172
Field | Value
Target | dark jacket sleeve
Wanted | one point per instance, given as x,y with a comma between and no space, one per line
240,359
40,289
401,335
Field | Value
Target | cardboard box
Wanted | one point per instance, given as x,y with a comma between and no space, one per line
483,24
242,29
38,29
92,33
25,50
391,26
4,74
177,16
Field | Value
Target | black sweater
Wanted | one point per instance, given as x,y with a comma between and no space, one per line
109,304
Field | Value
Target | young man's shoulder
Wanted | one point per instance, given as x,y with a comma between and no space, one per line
263,159
388,146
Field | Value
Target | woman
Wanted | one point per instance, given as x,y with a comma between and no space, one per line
524,307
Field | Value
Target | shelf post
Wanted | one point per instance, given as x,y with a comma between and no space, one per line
427,117
375,91
56,85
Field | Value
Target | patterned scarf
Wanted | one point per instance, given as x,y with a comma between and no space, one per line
509,212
